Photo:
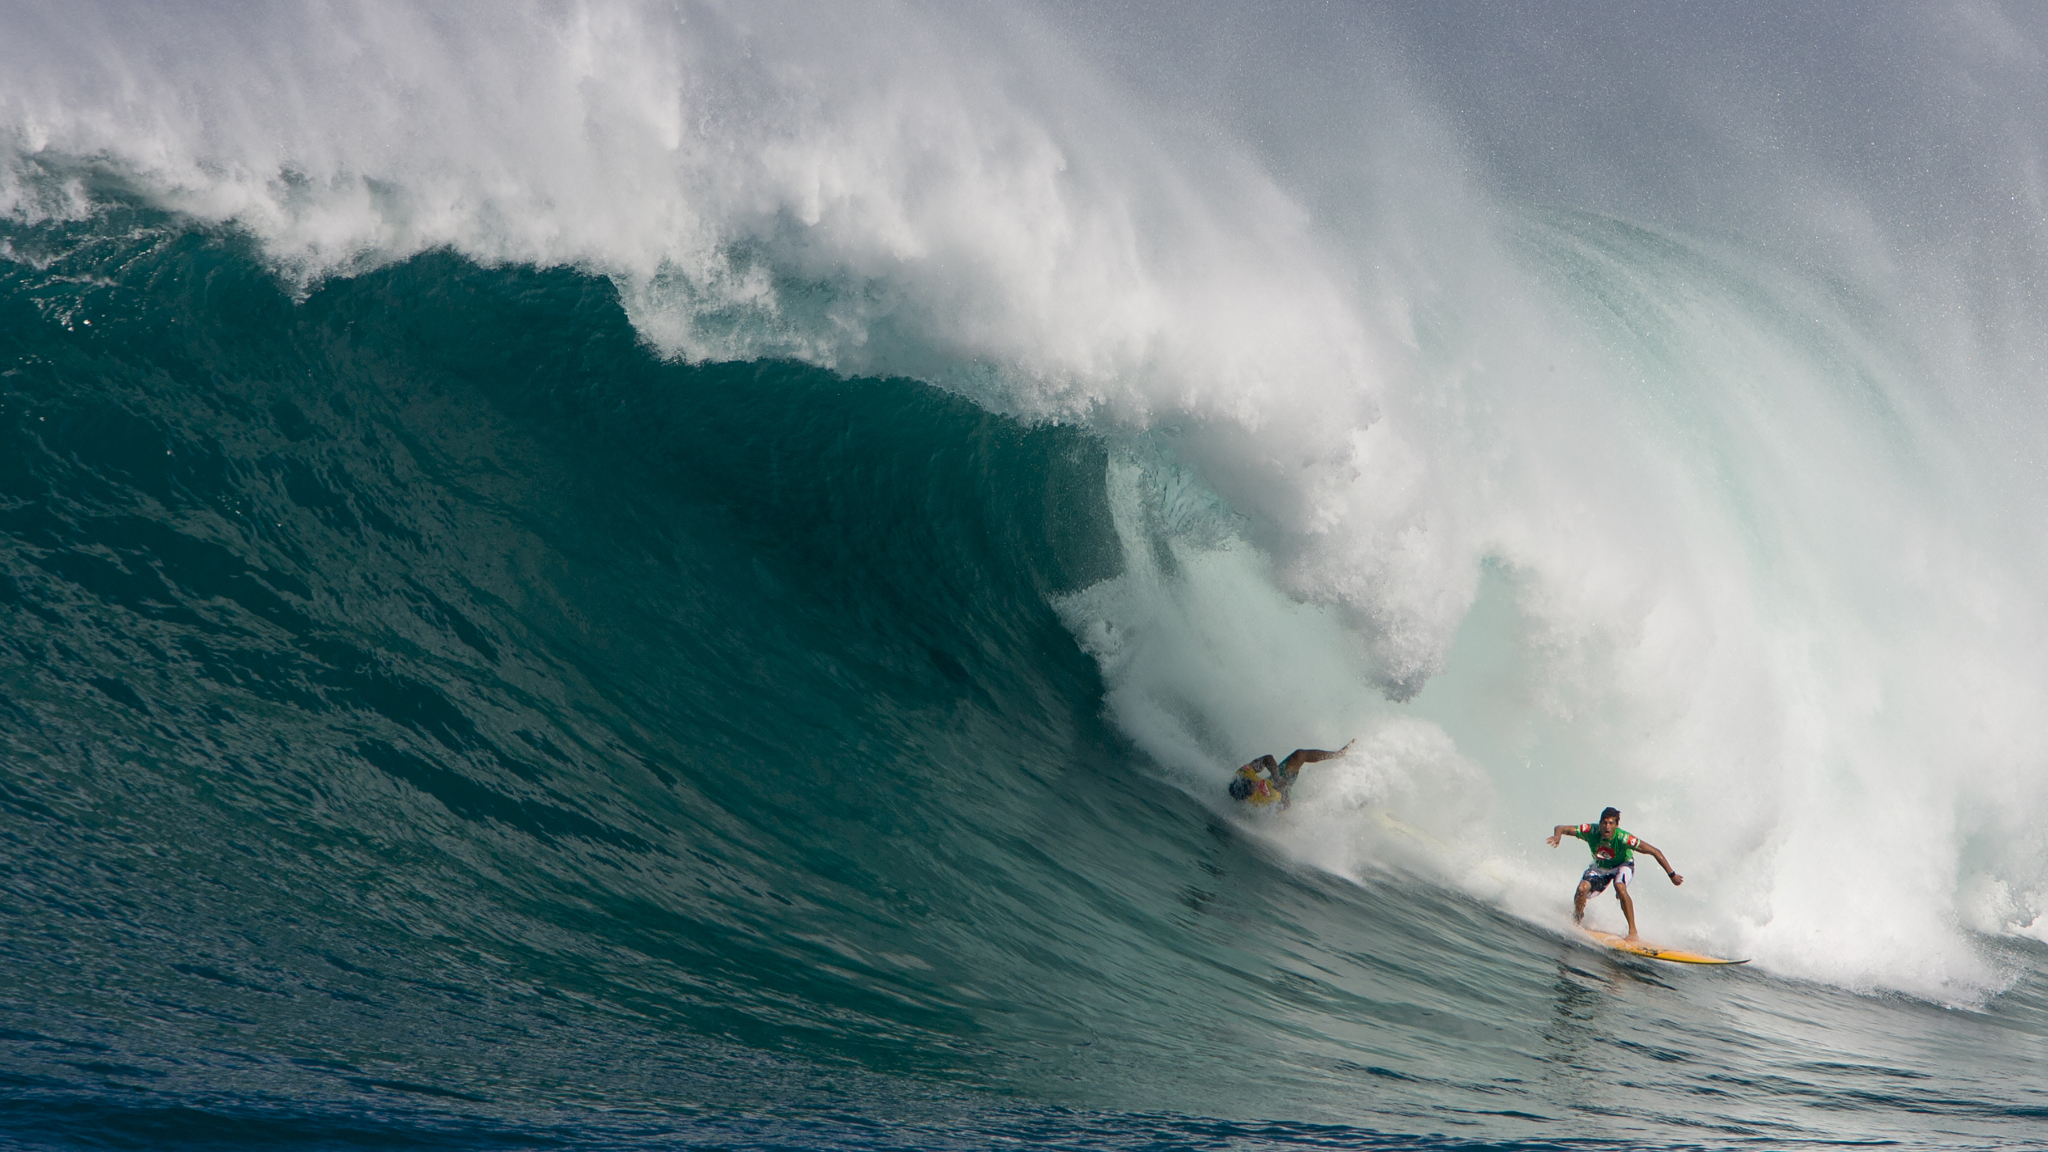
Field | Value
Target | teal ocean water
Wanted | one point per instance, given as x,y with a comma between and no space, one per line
723,620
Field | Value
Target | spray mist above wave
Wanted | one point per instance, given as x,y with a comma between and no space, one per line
1716,522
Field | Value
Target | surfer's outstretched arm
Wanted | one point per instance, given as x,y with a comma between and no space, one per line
1301,756
1645,846
1560,832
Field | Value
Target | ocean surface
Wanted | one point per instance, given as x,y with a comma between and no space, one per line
693,576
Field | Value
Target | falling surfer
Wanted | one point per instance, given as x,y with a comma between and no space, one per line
1614,862
1267,781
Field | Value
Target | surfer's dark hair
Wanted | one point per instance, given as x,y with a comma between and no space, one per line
1614,812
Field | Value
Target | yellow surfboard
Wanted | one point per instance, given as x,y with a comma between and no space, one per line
1638,948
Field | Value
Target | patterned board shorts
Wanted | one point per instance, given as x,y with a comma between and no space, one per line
1600,877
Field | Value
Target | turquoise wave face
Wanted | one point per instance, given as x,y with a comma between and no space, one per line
431,717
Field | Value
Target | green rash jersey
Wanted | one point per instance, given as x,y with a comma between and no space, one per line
1608,851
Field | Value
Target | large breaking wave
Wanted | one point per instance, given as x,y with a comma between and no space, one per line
1300,378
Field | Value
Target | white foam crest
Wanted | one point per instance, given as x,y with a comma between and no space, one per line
861,186
1634,520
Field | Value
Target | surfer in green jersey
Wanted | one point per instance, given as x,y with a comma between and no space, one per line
1614,862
